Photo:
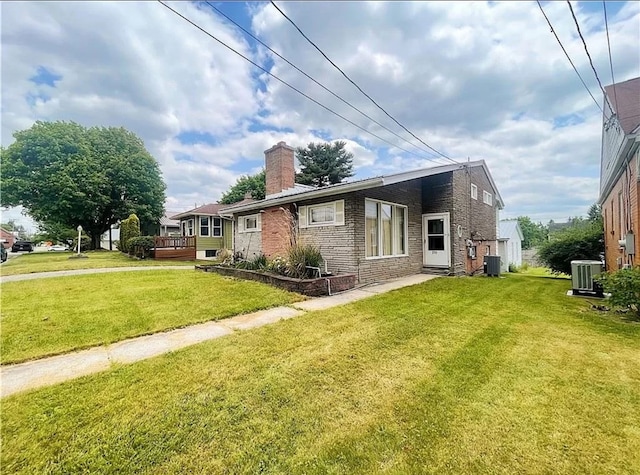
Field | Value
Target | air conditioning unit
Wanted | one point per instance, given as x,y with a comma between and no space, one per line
582,274
492,265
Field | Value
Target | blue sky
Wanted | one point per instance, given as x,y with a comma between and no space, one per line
474,80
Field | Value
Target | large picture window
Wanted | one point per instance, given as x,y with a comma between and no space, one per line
385,229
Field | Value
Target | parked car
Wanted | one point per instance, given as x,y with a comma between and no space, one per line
59,247
22,246
3,253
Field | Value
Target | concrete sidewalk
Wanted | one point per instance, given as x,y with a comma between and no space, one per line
56,369
106,270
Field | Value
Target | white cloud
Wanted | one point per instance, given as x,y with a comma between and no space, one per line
478,80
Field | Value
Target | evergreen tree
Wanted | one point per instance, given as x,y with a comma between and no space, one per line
324,164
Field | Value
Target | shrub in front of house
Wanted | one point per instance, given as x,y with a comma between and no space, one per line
129,228
141,246
300,258
585,241
624,287
258,263
301,262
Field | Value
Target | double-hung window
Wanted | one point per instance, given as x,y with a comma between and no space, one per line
217,227
204,226
385,229
487,198
190,227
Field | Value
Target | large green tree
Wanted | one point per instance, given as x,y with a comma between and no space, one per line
534,234
64,173
583,240
323,164
254,184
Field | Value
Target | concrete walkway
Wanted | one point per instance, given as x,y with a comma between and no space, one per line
56,369
106,270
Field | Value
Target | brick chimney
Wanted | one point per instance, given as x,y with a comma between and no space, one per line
280,172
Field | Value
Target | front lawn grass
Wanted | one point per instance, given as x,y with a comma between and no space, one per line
55,261
457,375
48,316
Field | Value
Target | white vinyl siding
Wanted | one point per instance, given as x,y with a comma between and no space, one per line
324,214
385,229
250,223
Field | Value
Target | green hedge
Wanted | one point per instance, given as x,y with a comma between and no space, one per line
141,246
129,228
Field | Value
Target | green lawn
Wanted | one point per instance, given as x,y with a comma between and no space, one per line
49,316
54,261
457,375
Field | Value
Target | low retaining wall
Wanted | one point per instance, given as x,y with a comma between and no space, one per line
311,287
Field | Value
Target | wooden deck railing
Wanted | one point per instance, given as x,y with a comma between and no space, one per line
162,242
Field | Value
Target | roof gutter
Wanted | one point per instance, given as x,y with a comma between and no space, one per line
632,143
307,195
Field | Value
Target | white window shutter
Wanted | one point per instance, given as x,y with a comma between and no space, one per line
302,216
339,216
240,224
259,222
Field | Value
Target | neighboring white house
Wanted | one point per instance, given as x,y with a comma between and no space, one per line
107,240
510,244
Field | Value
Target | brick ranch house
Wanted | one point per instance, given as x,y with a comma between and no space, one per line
620,173
442,219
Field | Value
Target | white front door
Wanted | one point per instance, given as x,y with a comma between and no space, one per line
436,247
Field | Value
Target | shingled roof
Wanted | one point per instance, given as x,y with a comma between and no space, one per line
626,102
211,209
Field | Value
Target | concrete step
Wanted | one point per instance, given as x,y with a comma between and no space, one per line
436,270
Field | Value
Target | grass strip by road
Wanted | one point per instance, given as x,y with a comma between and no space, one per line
57,261
457,375
50,316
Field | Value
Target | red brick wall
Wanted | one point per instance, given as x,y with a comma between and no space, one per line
279,167
277,230
614,229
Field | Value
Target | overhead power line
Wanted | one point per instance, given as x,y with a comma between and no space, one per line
613,81
567,55
289,85
248,33
586,50
358,87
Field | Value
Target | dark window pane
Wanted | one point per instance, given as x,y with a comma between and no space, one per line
435,226
436,243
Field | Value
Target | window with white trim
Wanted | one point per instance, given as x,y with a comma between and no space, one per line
217,227
249,224
474,191
487,198
190,227
385,229
204,226
323,214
